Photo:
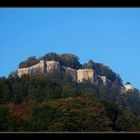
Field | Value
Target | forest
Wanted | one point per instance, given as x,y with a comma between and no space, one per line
55,103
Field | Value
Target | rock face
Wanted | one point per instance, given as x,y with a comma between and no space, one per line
52,65
71,72
104,79
41,67
35,69
80,75
85,75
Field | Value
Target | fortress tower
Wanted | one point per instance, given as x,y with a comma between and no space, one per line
128,87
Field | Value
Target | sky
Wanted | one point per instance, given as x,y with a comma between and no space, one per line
106,35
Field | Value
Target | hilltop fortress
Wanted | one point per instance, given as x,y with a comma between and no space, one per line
79,75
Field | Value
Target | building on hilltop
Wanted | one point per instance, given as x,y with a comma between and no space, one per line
80,75
128,87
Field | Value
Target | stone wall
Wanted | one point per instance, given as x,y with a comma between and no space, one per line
41,67
71,72
23,71
38,68
104,80
52,65
80,75
85,75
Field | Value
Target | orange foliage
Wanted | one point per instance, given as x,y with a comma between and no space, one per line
18,111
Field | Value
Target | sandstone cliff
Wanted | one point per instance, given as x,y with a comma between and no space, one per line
71,72
52,65
80,75
85,75
38,68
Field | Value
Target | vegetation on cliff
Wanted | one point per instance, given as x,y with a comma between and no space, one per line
72,61
29,62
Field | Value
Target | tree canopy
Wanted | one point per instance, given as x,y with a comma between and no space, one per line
54,103
29,62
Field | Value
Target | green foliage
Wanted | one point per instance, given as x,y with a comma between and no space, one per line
106,71
131,100
42,117
51,57
4,119
29,62
103,70
83,114
89,65
70,60
127,121
4,90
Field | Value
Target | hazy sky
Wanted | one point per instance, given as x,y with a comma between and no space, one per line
107,35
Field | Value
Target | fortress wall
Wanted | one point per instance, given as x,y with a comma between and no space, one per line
38,68
71,72
85,74
80,75
23,71
52,65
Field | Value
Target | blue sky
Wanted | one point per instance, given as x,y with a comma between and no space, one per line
107,35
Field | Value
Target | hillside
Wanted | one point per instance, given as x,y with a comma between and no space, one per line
58,93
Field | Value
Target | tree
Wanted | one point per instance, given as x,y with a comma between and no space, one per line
42,117
127,122
70,60
29,62
4,118
104,70
50,56
4,90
